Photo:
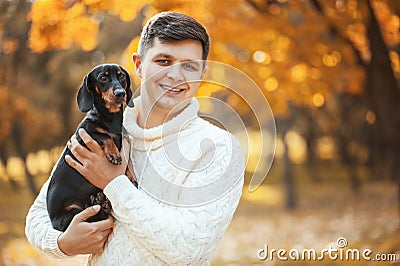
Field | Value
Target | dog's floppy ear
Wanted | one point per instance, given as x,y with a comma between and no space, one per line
85,97
128,85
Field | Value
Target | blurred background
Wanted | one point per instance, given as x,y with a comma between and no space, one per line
329,69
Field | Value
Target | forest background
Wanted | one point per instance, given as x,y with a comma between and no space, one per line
329,69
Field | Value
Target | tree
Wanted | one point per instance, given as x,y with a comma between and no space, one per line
303,54
25,125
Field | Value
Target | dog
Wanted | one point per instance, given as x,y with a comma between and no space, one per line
101,95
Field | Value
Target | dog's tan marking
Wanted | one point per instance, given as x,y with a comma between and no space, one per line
109,147
73,207
111,102
111,151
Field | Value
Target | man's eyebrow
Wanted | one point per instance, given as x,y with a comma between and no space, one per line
163,55
168,56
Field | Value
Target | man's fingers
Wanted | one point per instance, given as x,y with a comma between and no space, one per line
75,164
105,225
90,143
77,149
87,213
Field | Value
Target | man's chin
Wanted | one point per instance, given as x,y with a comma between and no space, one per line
172,106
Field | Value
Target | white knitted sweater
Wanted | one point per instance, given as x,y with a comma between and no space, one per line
190,176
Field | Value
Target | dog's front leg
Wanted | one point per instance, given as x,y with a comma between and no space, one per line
105,139
111,151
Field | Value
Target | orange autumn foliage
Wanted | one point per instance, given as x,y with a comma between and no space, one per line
285,47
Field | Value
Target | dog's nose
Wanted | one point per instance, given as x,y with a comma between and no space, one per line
119,93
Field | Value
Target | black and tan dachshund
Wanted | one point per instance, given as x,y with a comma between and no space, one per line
102,95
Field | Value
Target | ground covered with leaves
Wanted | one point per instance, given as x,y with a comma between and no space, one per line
325,212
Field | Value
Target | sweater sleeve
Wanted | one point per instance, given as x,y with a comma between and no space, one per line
38,229
175,234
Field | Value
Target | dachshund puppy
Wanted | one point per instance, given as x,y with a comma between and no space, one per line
102,95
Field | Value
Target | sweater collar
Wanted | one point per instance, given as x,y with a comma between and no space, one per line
174,125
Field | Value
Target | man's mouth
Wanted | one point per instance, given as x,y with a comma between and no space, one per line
172,89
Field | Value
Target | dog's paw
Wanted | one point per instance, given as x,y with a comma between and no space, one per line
112,153
101,199
114,159
106,206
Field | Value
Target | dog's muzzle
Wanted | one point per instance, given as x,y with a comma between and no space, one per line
119,94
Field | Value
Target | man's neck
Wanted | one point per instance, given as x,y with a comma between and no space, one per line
153,117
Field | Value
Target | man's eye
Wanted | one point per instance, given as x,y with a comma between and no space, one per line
190,67
163,61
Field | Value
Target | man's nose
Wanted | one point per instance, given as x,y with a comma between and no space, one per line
175,72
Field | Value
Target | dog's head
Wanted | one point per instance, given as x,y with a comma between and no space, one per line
107,84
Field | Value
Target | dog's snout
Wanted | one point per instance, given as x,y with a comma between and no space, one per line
119,93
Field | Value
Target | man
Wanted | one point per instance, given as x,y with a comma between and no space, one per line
189,172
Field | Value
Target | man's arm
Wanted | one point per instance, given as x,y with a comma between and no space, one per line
182,235
38,228
80,237
177,235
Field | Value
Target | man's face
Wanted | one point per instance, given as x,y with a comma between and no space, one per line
170,74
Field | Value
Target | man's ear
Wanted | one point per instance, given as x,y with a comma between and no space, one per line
128,85
85,97
137,60
204,71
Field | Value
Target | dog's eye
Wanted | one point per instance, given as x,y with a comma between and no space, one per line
103,78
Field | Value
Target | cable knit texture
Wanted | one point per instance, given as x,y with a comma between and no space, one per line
190,176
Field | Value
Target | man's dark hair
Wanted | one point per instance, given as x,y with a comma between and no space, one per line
173,27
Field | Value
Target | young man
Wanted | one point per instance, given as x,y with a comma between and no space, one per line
190,173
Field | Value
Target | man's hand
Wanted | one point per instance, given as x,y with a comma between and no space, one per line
93,164
82,237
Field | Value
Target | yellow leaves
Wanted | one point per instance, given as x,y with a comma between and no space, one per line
395,59
357,33
271,84
126,58
10,45
83,32
298,73
332,59
46,31
389,22
58,26
286,55
95,6
318,99
207,89
128,10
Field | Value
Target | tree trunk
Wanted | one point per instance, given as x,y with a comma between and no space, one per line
384,94
289,180
17,138
283,126
310,136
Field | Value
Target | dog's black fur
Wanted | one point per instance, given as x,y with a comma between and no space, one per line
102,94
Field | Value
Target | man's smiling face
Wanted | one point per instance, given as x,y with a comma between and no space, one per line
170,74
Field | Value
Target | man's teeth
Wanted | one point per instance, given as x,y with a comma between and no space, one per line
172,88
